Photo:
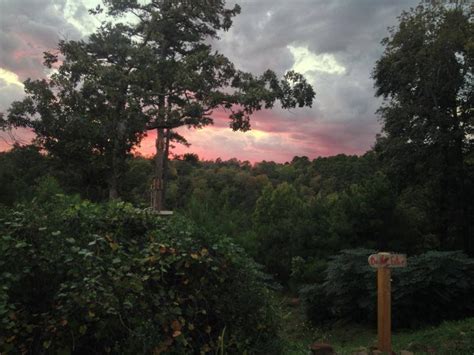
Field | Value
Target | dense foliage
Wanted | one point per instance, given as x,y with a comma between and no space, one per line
157,72
426,76
84,278
290,217
435,286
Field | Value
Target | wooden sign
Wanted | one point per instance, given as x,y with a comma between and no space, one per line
384,262
387,260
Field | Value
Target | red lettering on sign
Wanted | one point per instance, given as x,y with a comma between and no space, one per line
387,260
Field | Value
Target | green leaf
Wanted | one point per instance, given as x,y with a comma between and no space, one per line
46,344
83,329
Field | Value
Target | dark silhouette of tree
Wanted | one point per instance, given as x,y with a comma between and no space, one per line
184,80
158,73
426,77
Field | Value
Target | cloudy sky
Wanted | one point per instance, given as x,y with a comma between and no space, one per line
335,43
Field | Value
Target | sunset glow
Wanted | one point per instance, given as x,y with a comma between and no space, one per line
9,77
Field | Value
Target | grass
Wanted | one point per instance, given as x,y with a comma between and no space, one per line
454,337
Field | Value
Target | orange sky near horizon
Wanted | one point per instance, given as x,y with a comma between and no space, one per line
262,142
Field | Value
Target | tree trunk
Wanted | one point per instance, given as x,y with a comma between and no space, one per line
165,163
117,131
113,188
463,216
113,180
157,202
445,183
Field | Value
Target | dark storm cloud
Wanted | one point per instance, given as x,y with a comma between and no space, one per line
349,31
347,27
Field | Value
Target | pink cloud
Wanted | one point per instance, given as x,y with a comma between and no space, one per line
17,136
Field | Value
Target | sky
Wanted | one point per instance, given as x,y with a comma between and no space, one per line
334,43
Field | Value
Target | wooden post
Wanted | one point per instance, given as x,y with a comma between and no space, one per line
157,192
384,312
383,262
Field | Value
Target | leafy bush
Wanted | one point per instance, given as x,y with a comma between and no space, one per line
306,271
88,278
435,286
347,292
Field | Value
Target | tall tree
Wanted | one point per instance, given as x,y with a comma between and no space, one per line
185,80
88,114
156,72
280,218
426,77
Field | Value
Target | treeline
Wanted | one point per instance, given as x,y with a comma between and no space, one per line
290,217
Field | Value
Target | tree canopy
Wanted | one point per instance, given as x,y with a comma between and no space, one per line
426,77
155,72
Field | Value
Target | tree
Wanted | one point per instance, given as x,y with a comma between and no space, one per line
363,214
88,114
279,219
426,77
20,168
155,73
184,80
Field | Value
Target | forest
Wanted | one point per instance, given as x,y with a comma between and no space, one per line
256,258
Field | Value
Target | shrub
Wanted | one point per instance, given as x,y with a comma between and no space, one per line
435,286
306,271
347,291
88,278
